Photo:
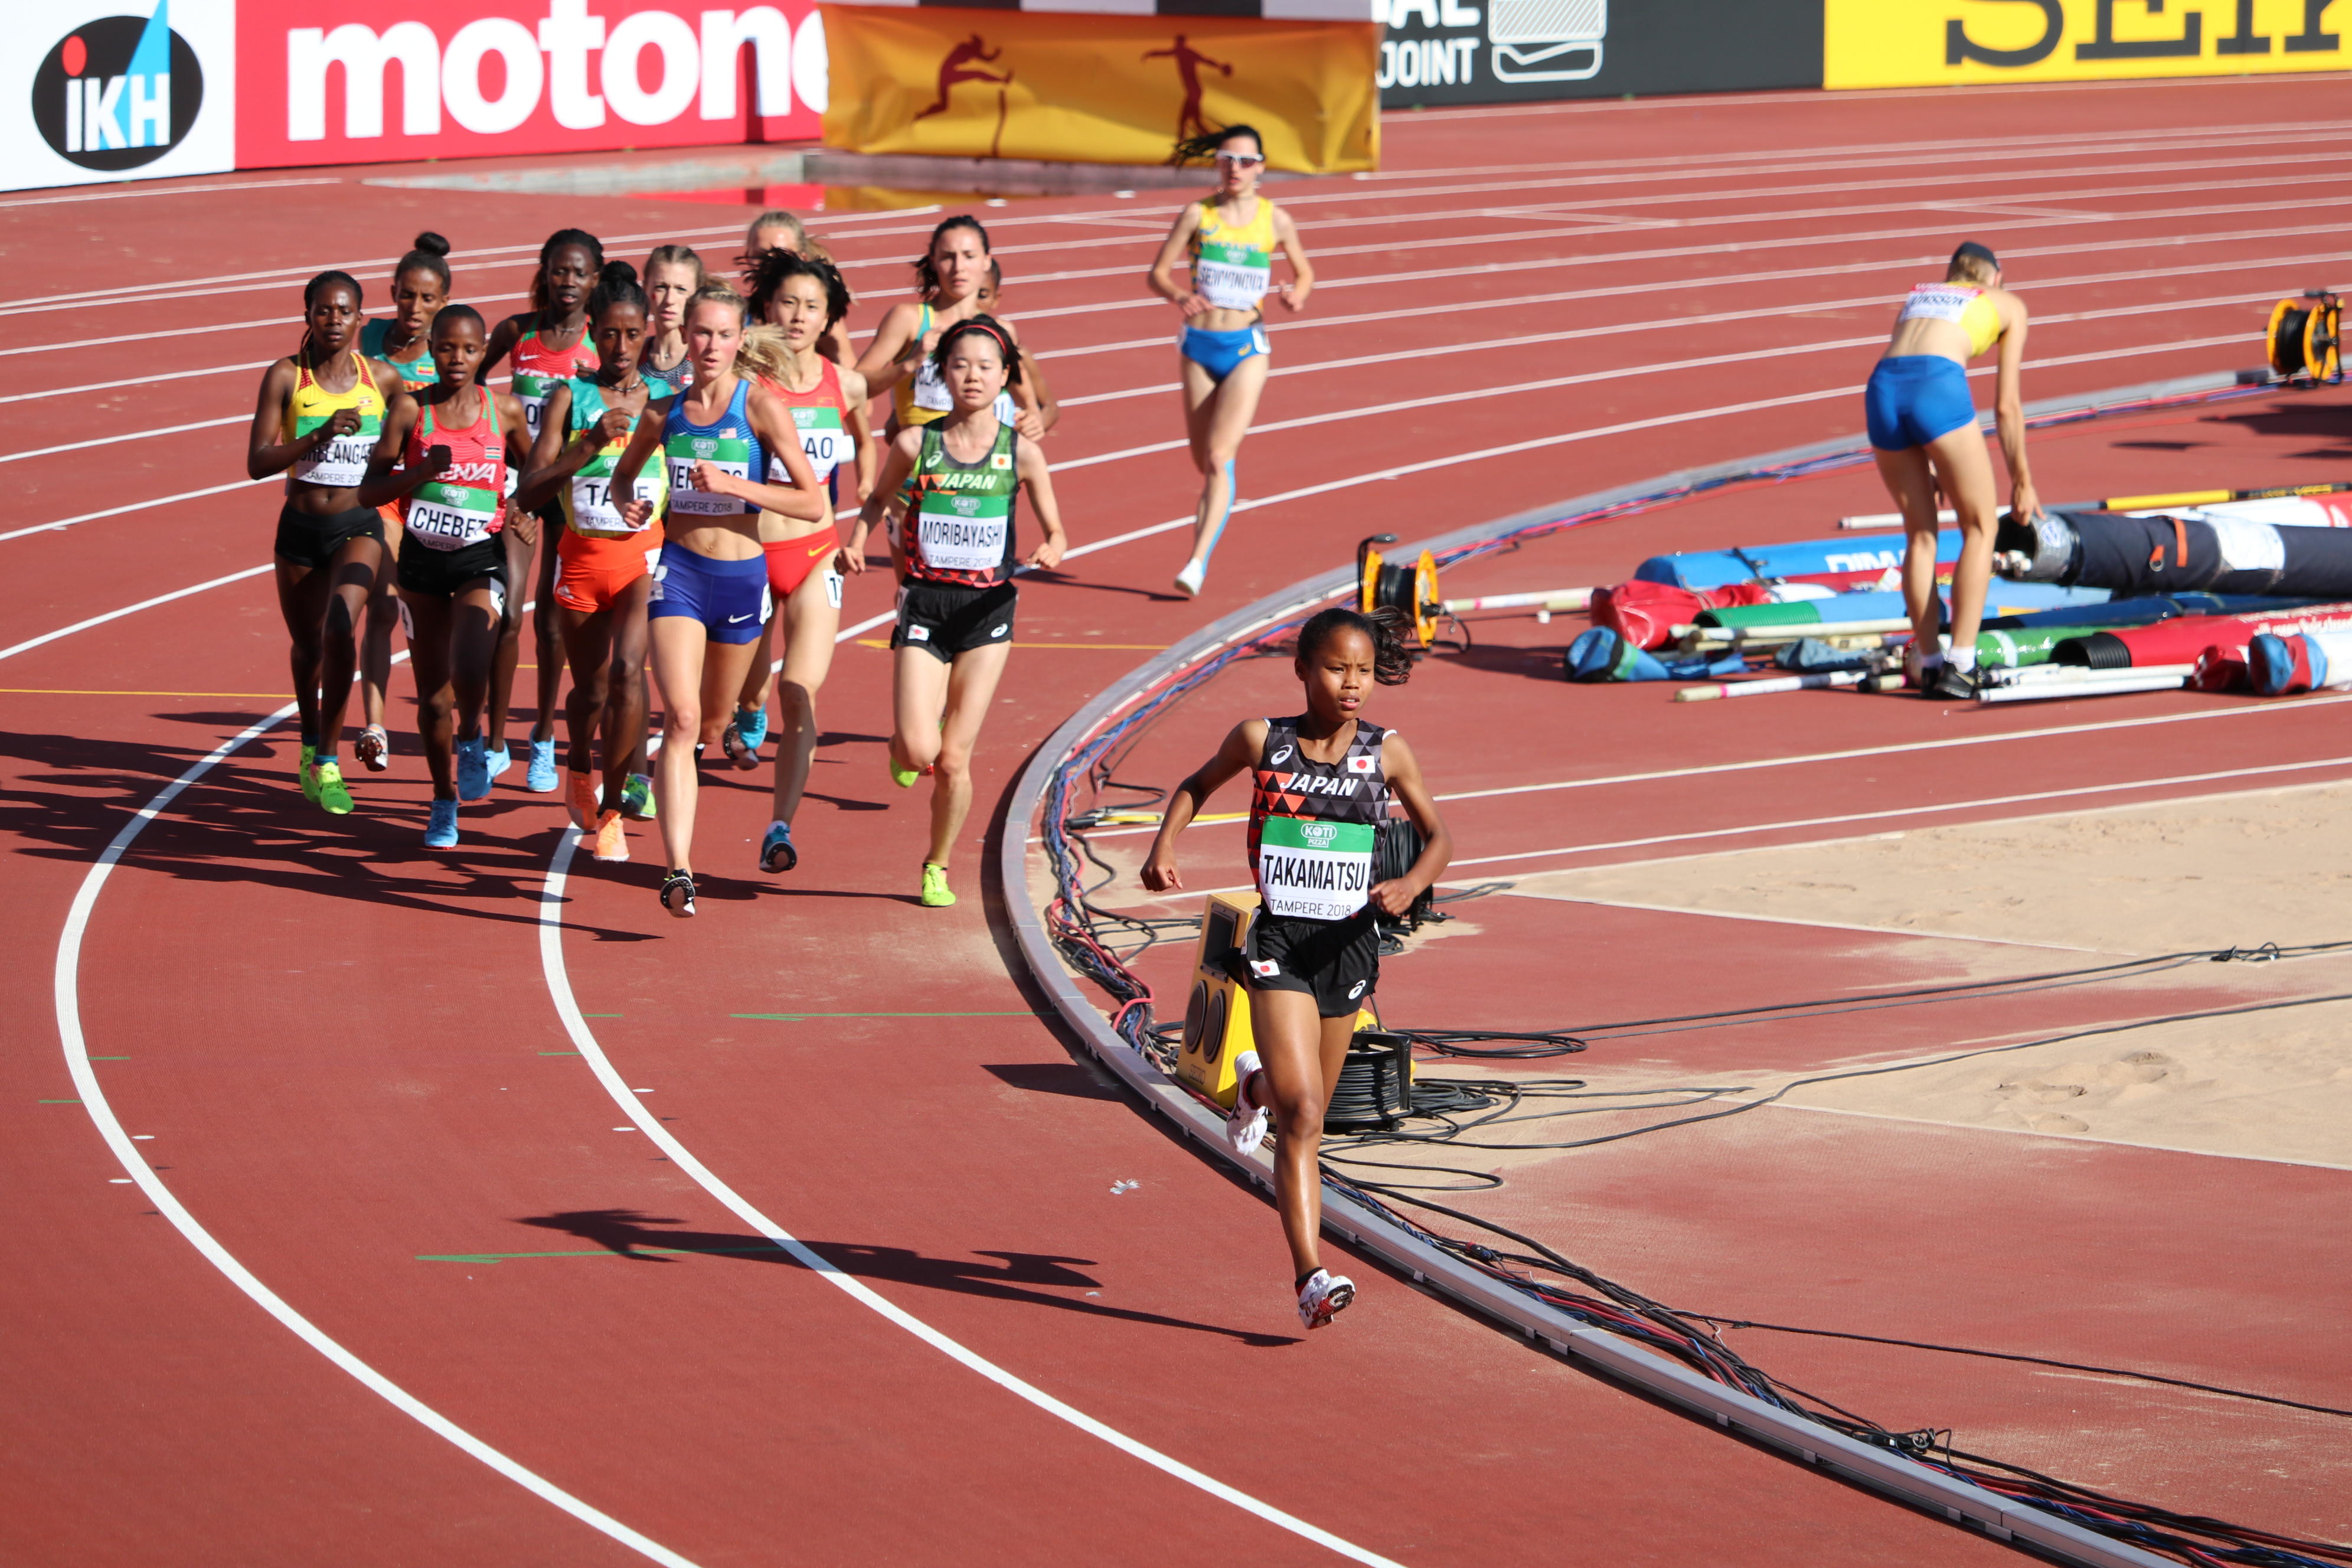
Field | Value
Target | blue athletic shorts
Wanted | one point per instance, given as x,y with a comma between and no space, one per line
1912,398
1218,352
728,597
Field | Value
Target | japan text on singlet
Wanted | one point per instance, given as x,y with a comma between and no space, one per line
1963,304
728,442
461,506
343,462
959,527
1233,264
589,505
817,418
540,370
1313,825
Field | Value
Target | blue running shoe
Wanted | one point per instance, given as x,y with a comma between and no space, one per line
441,828
752,726
501,760
776,852
472,769
540,779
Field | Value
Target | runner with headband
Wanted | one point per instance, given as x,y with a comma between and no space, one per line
954,558
401,342
1230,237
548,344
457,445
1923,429
319,414
710,590
800,299
606,563
1322,785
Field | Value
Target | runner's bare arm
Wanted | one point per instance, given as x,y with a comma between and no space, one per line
384,484
1163,276
1302,271
1038,480
1404,770
882,364
1040,396
503,338
546,468
2009,409
804,499
1237,755
645,445
265,454
899,462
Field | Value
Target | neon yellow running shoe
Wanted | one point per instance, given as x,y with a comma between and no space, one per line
327,789
903,777
302,772
936,893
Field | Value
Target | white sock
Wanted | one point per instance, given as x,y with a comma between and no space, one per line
1963,660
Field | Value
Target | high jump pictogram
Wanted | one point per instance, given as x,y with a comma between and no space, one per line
1188,61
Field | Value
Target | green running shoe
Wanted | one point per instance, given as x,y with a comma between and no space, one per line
936,893
302,772
327,781
637,799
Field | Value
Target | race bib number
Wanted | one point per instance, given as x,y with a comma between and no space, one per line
531,391
1315,870
952,543
1231,277
450,517
593,509
343,461
684,497
931,389
824,440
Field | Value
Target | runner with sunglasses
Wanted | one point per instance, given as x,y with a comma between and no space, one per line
1230,237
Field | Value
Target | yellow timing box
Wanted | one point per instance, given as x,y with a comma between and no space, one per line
1217,1012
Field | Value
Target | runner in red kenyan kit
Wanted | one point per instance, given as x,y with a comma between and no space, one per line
548,344
1322,785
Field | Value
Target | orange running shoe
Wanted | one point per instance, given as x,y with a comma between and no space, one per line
582,798
612,838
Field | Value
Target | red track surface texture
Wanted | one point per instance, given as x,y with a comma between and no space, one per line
347,1058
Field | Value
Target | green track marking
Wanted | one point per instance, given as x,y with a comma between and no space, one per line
59,1102
801,1017
589,1252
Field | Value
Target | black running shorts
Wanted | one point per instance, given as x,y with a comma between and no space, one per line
1337,963
305,539
445,573
945,619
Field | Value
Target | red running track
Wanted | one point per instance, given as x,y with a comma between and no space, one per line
344,1059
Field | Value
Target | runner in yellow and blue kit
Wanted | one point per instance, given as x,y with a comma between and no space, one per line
1231,238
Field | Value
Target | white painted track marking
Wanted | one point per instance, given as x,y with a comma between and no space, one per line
30,643
119,1142
567,1007
133,506
161,190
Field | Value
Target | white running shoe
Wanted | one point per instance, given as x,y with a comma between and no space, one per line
1323,1296
1245,1122
1189,581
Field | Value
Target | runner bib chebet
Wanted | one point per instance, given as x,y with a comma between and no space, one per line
727,442
589,505
540,370
460,507
818,415
958,528
1233,264
343,462
1313,826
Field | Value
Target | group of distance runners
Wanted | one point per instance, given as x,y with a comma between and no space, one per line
662,474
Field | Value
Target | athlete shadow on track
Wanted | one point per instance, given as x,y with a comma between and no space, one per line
245,824
630,1234
1539,663
2326,421
1063,580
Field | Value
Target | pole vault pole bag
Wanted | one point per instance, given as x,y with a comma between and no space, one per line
1647,612
1605,655
2299,662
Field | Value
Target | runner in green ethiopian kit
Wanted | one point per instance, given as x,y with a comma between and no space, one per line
550,345
955,561
1322,783
401,342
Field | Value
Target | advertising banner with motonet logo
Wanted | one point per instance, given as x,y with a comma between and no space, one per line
98,90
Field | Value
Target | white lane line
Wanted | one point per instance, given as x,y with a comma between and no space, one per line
151,379
1792,920
583,1039
286,322
67,990
2070,1137
122,195
132,610
134,506
117,440
1893,812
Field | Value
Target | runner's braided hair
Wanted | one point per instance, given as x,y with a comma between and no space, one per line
1202,148
1383,628
927,283
771,269
616,284
555,242
991,329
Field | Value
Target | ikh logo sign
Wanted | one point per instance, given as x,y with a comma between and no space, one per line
117,92
115,89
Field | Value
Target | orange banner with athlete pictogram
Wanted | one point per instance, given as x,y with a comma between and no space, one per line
952,82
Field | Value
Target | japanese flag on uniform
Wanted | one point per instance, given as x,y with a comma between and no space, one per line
1359,765
1000,459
